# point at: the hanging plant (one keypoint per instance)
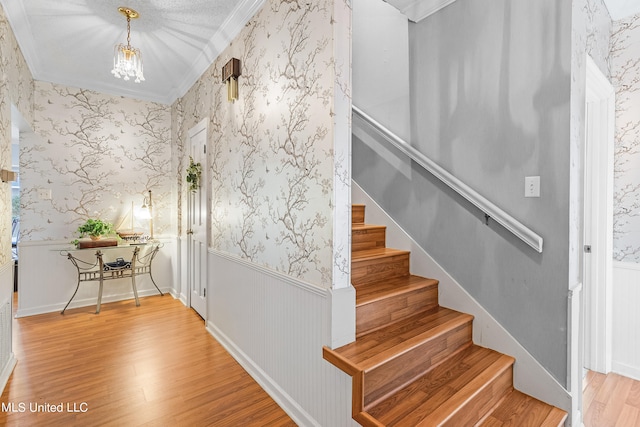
(194, 171)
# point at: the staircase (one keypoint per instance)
(413, 362)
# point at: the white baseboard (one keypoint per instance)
(6, 372)
(86, 302)
(529, 376)
(626, 370)
(291, 407)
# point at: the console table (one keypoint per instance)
(100, 271)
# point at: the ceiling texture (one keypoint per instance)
(71, 42)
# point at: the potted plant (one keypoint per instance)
(95, 228)
(194, 171)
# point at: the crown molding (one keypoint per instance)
(231, 27)
(238, 19)
(417, 10)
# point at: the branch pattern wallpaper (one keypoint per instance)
(97, 154)
(16, 87)
(271, 153)
(625, 77)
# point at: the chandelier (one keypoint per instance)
(127, 60)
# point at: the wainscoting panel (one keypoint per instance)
(46, 279)
(275, 326)
(626, 319)
(7, 359)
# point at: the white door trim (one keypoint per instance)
(600, 98)
(204, 189)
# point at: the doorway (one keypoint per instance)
(598, 220)
(20, 132)
(197, 229)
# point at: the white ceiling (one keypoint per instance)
(417, 10)
(619, 9)
(71, 41)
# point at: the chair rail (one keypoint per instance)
(490, 209)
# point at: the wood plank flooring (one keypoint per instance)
(153, 365)
(610, 401)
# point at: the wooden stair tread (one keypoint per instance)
(413, 362)
(440, 393)
(372, 349)
(362, 226)
(518, 408)
(380, 290)
(370, 254)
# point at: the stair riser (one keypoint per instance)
(368, 239)
(357, 214)
(386, 378)
(483, 401)
(365, 271)
(375, 315)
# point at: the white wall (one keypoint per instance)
(276, 326)
(47, 279)
(381, 64)
(626, 319)
(7, 359)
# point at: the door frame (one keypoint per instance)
(597, 299)
(201, 126)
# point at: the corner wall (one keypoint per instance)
(16, 89)
(490, 87)
(96, 155)
(279, 173)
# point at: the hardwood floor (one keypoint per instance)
(153, 365)
(610, 401)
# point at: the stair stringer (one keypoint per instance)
(529, 376)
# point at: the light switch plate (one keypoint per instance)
(531, 186)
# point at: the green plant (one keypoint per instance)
(194, 171)
(15, 206)
(95, 228)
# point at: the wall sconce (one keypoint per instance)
(148, 203)
(230, 74)
(8, 176)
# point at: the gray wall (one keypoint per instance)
(490, 91)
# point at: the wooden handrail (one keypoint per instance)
(490, 210)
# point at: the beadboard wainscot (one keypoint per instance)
(626, 319)
(7, 358)
(275, 327)
(47, 279)
(528, 375)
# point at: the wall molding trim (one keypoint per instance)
(275, 328)
(309, 287)
(625, 358)
(282, 398)
(417, 10)
(6, 372)
(88, 302)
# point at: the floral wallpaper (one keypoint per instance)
(16, 88)
(96, 154)
(625, 76)
(275, 152)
